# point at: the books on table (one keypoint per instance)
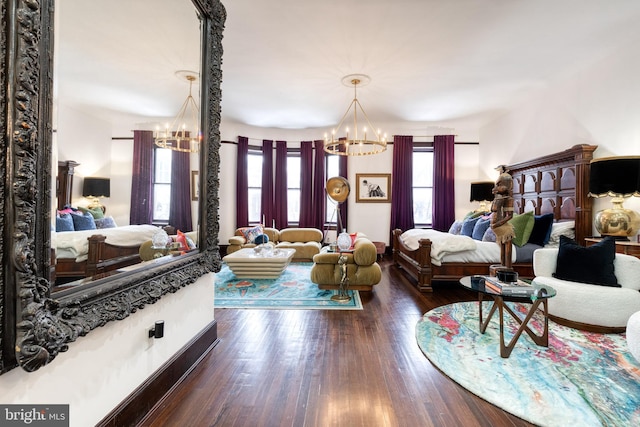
(517, 288)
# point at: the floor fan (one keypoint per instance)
(338, 190)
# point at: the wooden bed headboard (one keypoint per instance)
(556, 183)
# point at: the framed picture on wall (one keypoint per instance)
(373, 188)
(195, 186)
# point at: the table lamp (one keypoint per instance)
(95, 188)
(482, 192)
(617, 177)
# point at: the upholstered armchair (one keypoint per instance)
(589, 306)
(363, 271)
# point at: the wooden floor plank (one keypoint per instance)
(328, 368)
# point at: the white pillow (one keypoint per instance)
(562, 228)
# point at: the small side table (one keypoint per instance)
(499, 304)
(622, 246)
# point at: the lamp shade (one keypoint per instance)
(615, 177)
(481, 191)
(96, 187)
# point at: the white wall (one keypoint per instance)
(600, 106)
(372, 219)
(104, 367)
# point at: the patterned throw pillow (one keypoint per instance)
(251, 233)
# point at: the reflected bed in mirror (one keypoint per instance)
(36, 324)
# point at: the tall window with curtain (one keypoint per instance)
(422, 185)
(267, 184)
(306, 184)
(180, 205)
(281, 193)
(319, 193)
(443, 182)
(242, 185)
(141, 185)
(402, 183)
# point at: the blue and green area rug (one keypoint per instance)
(292, 290)
(581, 379)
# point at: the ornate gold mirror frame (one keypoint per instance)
(35, 327)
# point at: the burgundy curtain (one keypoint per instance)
(141, 211)
(306, 184)
(280, 193)
(266, 200)
(319, 193)
(443, 182)
(344, 207)
(242, 183)
(180, 204)
(402, 183)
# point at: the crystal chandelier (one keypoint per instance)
(184, 133)
(355, 143)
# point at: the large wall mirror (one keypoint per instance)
(55, 116)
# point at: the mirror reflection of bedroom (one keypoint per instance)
(126, 136)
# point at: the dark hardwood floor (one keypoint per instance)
(328, 368)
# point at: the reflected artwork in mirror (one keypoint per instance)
(37, 323)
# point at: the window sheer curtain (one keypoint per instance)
(141, 184)
(180, 204)
(443, 182)
(306, 184)
(280, 193)
(242, 183)
(266, 201)
(402, 183)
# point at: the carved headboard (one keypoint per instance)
(557, 183)
(64, 182)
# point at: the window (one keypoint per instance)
(161, 184)
(332, 168)
(293, 187)
(254, 180)
(422, 186)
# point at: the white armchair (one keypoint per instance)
(586, 306)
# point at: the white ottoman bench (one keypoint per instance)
(633, 335)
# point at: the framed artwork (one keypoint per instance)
(373, 188)
(195, 186)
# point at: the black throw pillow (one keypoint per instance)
(541, 229)
(593, 265)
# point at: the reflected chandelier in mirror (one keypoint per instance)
(35, 327)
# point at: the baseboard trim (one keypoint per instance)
(144, 398)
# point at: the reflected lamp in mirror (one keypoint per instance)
(96, 188)
(482, 192)
(619, 178)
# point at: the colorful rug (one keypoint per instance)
(581, 379)
(292, 290)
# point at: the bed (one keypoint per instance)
(88, 253)
(556, 183)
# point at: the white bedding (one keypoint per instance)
(74, 244)
(447, 247)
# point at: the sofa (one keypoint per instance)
(588, 306)
(363, 271)
(306, 241)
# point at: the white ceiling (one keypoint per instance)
(431, 62)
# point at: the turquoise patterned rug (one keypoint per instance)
(292, 290)
(581, 379)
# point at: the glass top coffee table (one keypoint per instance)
(539, 298)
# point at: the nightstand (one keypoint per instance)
(622, 246)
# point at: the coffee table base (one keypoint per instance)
(498, 303)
